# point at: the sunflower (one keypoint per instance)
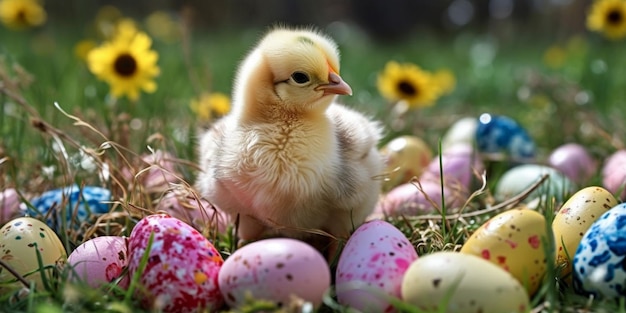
(210, 105)
(19, 14)
(126, 63)
(608, 17)
(409, 83)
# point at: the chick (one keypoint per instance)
(288, 160)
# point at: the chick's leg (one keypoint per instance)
(250, 228)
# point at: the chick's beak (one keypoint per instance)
(335, 86)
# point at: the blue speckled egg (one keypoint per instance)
(601, 255)
(79, 202)
(501, 134)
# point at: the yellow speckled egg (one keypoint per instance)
(405, 157)
(455, 282)
(513, 240)
(20, 240)
(574, 219)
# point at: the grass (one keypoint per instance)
(579, 101)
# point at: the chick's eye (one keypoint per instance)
(300, 77)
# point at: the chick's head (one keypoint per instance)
(304, 67)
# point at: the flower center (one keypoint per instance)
(125, 65)
(407, 88)
(614, 17)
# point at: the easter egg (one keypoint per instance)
(512, 240)
(182, 266)
(280, 270)
(458, 163)
(78, 204)
(405, 157)
(156, 172)
(599, 259)
(412, 199)
(573, 161)
(614, 174)
(22, 241)
(9, 205)
(198, 213)
(573, 220)
(372, 263)
(501, 134)
(99, 261)
(463, 131)
(515, 180)
(461, 283)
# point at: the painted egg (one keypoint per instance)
(182, 268)
(515, 180)
(198, 213)
(21, 241)
(462, 131)
(614, 174)
(280, 270)
(462, 283)
(501, 134)
(99, 261)
(405, 157)
(372, 263)
(459, 163)
(78, 203)
(156, 171)
(512, 240)
(409, 200)
(599, 259)
(573, 220)
(9, 205)
(573, 161)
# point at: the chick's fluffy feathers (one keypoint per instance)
(288, 158)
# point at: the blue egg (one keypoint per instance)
(500, 134)
(79, 203)
(600, 260)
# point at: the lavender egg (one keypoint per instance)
(459, 162)
(574, 161)
(415, 199)
(614, 174)
(501, 134)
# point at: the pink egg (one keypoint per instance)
(100, 261)
(156, 171)
(182, 269)
(372, 265)
(198, 213)
(280, 270)
(9, 205)
(459, 163)
(614, 173)
(573, 161)
(408, 199)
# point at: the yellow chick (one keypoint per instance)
(288, 159)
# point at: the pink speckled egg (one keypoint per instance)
(574, 161)
(99, 261)
(198, 213)
(9, 205)
(182, 269)
(278, 270)
(614, 174)
(371, 265)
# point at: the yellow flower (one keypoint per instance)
(210, 105)
(407, 82)
(126, 63)
(555, 56)
(20, 14)
(82, 48)
(608, 17)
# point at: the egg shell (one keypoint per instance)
(471, 283)
(198, 213)
(513, 240)
(372, 263)
(500, 134)
(276, 269)
(100, 261)
(614, 174)
(408, 199)
(78, 202)
(599, 259)
(405, 157)
(20, 240)
(463, 131)
(459, 163)
(574, 161)
(573, 220)
(156, 173)
(182, 269)
(9, 205)
(515, 180)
